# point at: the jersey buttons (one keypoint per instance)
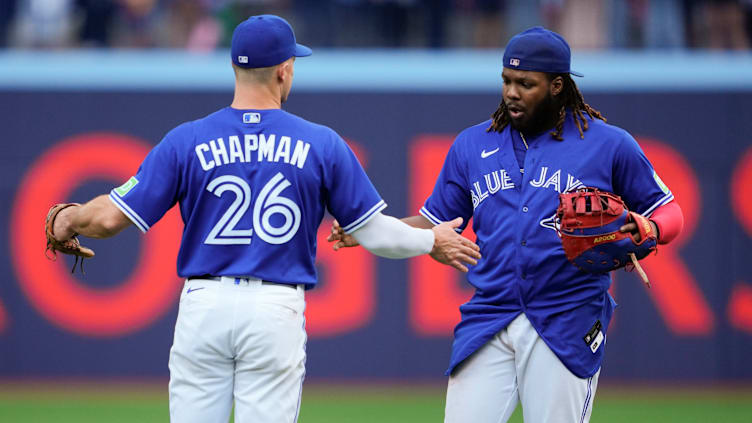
(524, 209)
(523, 243)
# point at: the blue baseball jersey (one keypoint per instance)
(253, 186)
(524, 268)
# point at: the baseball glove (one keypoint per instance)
(589, 228)
(69, 246)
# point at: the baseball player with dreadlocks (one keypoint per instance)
(252, 182)
(534, 332)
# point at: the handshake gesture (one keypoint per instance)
(449, 247)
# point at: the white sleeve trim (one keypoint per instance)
(427, 214)
(389, 237)
(357, 223)
(433, 219)
(664, 200)
(132, 215)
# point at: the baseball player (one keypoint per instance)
(534, 332)
(252, 182)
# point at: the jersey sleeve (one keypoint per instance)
(635, 180)
(450, 198)
(350, 196)
(148, 195)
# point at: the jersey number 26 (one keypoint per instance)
(268, 203)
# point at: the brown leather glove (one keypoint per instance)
(69, 246)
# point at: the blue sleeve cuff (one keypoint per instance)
(132, 215)
(362, 220)
(664, 200)
(433, 219)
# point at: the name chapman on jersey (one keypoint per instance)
(499, 180)
(267, 147)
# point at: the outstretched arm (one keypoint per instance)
(418, 221)
(342, 240)
(386, 236)
(98, 218)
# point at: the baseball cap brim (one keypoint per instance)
(302, 51)
(576, 73)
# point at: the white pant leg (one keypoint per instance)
(201, 365)
(548, 391)
(270, 361)
(483, 389)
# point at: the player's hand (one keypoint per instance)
(340, 238)
(632, 228)
(453, 249)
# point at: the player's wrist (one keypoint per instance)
(62, 228)
(434, 238)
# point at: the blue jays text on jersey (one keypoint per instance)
(252, 186)
(513, 206)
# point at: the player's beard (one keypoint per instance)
(543, 117)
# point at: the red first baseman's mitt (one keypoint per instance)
(589, 227)
(69, 246)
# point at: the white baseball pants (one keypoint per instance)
(515, 366)
(237, 340)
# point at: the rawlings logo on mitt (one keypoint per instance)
(589, 228)
(69, 246)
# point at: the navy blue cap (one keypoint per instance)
(538, 49)
(263, 41)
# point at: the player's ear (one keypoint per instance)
(556, 86)
(284, 70)
(280, 71)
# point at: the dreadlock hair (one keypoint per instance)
(570, 98)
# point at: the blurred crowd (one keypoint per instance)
(204, 25)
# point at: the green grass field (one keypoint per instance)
(82, 403)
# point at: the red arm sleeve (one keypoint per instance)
(669, 220)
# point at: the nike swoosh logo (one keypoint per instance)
(193, 289)
(484, 153)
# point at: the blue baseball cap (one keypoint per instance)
(264, 40)
(538, 49)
